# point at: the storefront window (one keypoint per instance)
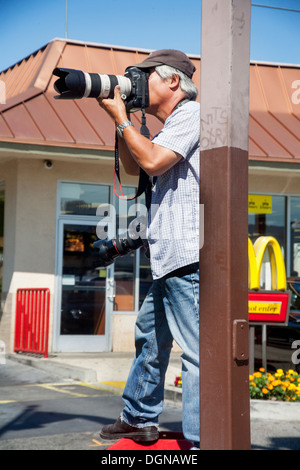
(295, 236)
(125, 267)
(146, 279)
(132, 272)
(125, 272)
(82, 199)
(271, 222)
(267, 217)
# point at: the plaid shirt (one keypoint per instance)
(173, 228)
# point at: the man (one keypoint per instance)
(171, 308)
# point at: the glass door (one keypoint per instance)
(85, 290)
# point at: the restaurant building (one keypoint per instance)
(56, 179)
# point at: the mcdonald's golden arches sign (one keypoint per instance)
(267, 306)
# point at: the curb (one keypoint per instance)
(274, 410)
(63, 370)
(259, 409)
(173, 394)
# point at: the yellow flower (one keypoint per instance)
(265, 391)
(257, 374)
(279, 373)
(270, 387)
(250, 378)
(262, 369)
(276, 383)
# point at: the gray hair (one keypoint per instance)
(186, 83)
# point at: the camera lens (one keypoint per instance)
(75, 84)
(134, 238)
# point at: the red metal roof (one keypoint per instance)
(31, 114)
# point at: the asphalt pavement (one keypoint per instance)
(41, 410)
(60, 403)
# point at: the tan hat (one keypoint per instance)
(176, 59)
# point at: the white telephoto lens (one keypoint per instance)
(125, 86)
(88, 85)
(105, 85)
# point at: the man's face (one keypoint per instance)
(157, 91)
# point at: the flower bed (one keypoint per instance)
(283, 386)
(178, 381)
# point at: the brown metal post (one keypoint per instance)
(224, 368)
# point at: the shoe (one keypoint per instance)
(196, 446)
(120, 429)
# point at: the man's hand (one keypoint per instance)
(115, 107)
(136, 150)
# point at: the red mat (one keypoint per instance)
(166, 441)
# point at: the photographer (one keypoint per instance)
(171, 308)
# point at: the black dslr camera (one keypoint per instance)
(134, 238)
(75, 84)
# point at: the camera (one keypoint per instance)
(75, 84)
(134, 238)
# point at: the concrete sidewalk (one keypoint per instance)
(111, 370)
(107, 368)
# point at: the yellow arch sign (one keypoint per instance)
(255, 256)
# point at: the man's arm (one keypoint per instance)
(152, 158)
(130, 165)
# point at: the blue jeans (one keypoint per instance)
(170, 311)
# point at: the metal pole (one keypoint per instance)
(264, 346)
(251, 348)
(224, 341)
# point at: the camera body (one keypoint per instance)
(139, 96)
(75, 84)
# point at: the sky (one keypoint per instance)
(27, 25)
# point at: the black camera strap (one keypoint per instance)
(143, 179)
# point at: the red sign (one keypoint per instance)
(268, 307)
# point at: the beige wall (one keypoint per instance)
(266, 179)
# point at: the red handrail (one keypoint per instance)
(32, 321)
